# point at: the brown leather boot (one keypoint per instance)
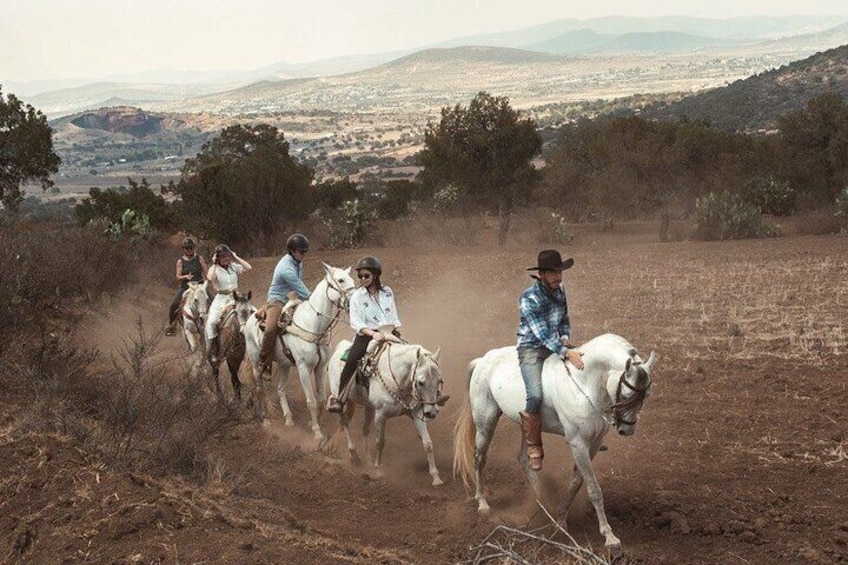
(531, 427)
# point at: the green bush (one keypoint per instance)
(348, 227)
(728, 216)
(131, 226)
(771, 196)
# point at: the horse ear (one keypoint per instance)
(437, 353)
(249, 294)
(328, 269)
(628, 364)
(649, 364)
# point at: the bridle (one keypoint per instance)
(395, 392)
(631, 403)
(340, 305)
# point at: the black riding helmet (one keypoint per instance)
(223, 250)
(297, 241)
(189, 242)
(372, 264)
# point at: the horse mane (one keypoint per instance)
(609, 349)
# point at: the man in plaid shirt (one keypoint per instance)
(544, 330)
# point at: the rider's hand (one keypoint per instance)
(378, 337)
(575, 356)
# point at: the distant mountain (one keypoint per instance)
(752, 28)
(94, 95)
(620, 57)
(757, 102)
(571, 42)
(660, 42)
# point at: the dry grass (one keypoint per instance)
(737, 301)
(505, 544)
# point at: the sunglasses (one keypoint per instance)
(364, 275)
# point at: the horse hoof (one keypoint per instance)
(483, 509)
(437, 482)
(614, 549)
(289, 423)
(266, 423)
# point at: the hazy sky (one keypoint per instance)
(54, 39)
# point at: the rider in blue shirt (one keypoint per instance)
(286, 284)
(544, 330)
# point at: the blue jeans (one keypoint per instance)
(530, 361)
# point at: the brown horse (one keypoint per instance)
(231, 339)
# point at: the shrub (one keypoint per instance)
(48, 266)
(150, 416)
(348, 226)
(132, 226)
(728, 216)
(771, 196)
(112, 203)
(556, 229)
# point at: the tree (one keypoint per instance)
(241, 185)
(485, 150)
(113, 202)
(815, 141)
(26, 149)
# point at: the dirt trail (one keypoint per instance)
(739, 455)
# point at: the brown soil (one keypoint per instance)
(739, 456)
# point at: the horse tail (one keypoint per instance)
(464, 438)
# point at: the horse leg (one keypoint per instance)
(284, 371)
(573, 489)
(304, 371)
(483, 437)
(583, 461)
(380, 426)
(344, 419)
(421, 428)
(321, 377)
(233, 366)
(367, 425)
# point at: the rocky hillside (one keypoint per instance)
(756, 103)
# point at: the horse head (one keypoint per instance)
(243, 307)
(634, 386)
(340, 285)
(427, 383)
(198, 301)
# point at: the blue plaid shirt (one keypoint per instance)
(544, 318)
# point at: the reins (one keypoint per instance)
(395, 392)
(621, 405)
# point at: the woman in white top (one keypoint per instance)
(224, 274)
(372, 306)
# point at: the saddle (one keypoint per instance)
(285, 319)
(368, 364)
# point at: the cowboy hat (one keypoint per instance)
(551, 260)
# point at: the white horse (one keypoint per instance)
(578, 404)
(307, 341)
(194, 308)
(406, 382)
